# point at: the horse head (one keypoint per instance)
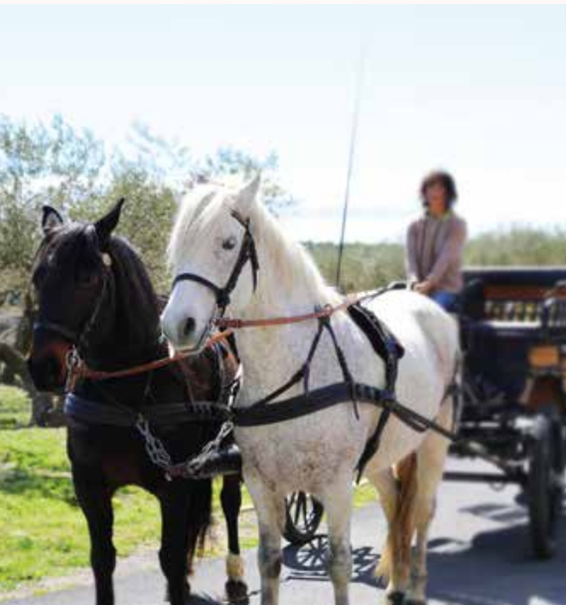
(214, 259)
(72, 280)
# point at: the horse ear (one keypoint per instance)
(248, 194)
(107, 224)
(50, 219)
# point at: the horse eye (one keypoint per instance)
(229, 243)
(87, 279)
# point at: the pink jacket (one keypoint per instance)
(434, 251)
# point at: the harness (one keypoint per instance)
(267, 411)
(95, 412)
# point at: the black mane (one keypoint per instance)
(137, 308)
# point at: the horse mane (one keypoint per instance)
(137, 305)
(293, 268)
(190, 213)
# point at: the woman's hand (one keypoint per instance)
(424, 287)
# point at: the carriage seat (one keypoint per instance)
(504, 313)
(498, 352)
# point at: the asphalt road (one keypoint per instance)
(479, 555)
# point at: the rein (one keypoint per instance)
(322, 313)
(78, 368)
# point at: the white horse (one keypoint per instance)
(317, 453)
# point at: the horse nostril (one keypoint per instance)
(189, 326)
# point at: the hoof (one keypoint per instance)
(186, 593)
(414, 601)
(236, 591)
(396, 598)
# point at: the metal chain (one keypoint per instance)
(154, 446)
(192, 465)
(161, 458)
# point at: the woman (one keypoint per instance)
(435, 242)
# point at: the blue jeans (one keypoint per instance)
(447, 300)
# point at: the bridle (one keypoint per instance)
(247, 253)
(79, 338)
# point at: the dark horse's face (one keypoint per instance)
(71, 279)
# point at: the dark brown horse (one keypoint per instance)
(94, 295)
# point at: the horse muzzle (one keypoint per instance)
(47, 366)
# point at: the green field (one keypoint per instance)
(14, 408)
(43, 533)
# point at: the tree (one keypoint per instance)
(39, 164)
(228, 162)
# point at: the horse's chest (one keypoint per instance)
(116, 454)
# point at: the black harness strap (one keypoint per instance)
(95, 412)
(390, 350)
(262, 413)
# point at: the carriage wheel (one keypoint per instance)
(544, 484)
(303, 515)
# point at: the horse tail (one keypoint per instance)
(407, 475)
(199, 518)
(398, 544)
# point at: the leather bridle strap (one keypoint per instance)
(78, 338)
(55, 328)
(326, 311)
(247, 253)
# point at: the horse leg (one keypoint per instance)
(173, 554)
(338, 507)
(231, 500)
(398, 505)
(271, 517)
(95, 500)
(431, 457)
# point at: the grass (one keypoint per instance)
(15, 408)
(43, 532)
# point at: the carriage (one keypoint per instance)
(511, 400)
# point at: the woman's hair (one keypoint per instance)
(440, 177)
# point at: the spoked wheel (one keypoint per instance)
(303, 515)
(545, 484)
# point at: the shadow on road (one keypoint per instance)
(308, 562)
(497, 567)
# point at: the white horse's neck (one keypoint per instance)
(289, 283)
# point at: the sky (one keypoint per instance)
(478, 90)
